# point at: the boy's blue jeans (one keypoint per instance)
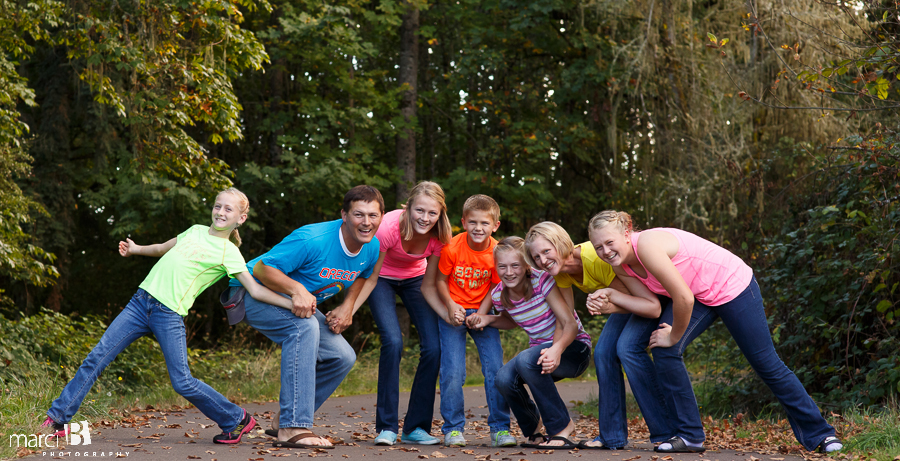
(623, 344)
(314, 360)
(745, 319)
(524, 369)
(421, 398)
(142, 316)
(453, 375)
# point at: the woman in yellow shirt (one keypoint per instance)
(633, 315)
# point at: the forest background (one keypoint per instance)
(767, 126)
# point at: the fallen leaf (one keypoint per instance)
(194, 457)
(438, 454)
(210, 452)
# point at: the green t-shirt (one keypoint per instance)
(597, 272)
(195, 262)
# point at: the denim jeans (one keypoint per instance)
(745, 319)
(453, 375)
(524, 369)
(312, 357)
(142, 316)
(383, 304)
(623, 343)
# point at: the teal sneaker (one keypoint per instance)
(454, 439)
(420, 437)
(386, 438)
(502, 439)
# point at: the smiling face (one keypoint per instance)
(545, 256)
(611, 244)
(227, 213)
(360, 223)
(424, 214)
(511, 268)
(479, 226)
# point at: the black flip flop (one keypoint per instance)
(678, 446)
(534, 441)
(567, 444)
(272, 432)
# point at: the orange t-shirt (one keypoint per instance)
(470, 273)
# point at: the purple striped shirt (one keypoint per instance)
(534, 315)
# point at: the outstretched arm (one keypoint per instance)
(625, 295)
(304, 303)
(430, 290)
(566, 331)
(656, 250)
(261, 293)
(341, 317)
(128, 248)
(370, 283)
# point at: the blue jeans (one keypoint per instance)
(312, 357)
(524, 369)
(453, 375)
(623, 343)
(142, 316)
(745, 319)
(383, 304)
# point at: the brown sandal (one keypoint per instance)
(304, 434)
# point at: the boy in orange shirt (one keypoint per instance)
(465, 278)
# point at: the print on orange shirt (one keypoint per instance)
(470, 277)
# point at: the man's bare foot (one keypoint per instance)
(565, 433)
(286, 433)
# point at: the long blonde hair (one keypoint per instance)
(244, 204)
(515, 245)
(441, 229)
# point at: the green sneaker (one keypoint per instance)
(454, 439)
(502, 439)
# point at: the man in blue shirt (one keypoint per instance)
(310, 265)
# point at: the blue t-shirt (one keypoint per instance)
(313, 255)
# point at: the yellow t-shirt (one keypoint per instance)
(597, 272)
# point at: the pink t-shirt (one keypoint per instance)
(398, 264)
(714, 274)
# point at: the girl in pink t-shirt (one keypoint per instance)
(411, 241)
(703, 281)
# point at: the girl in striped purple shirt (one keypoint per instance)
(558, 347)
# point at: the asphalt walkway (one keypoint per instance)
(187, 435)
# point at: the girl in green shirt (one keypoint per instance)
(189, 263)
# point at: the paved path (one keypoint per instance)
(187, 434)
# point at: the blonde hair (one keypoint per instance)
(555, 234)
(244, 208)
(514, 245)
(432, 190)
(481, 202)
(620, 219)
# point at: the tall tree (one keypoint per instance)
(409, 69)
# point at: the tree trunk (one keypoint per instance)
(406, 141)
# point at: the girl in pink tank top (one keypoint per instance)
(704, 282)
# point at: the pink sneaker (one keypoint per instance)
(60, 430)
(247, 424)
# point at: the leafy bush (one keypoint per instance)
(830, 279)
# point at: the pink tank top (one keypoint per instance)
(714, 274)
